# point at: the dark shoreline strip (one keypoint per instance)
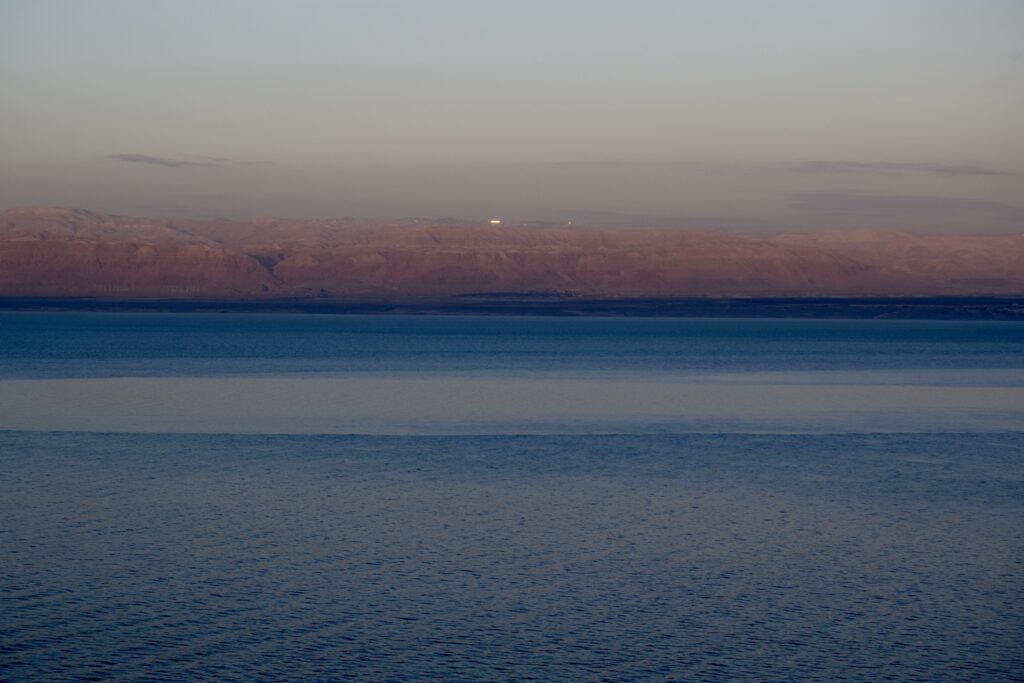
(921, 308)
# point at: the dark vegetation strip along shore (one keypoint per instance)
(921, 308)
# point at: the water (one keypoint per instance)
(139, 345)
(302, 497)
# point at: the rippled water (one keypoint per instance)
(520, 539)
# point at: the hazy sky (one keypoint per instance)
(739, 114)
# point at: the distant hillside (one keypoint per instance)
(48, 251)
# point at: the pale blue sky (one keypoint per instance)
(699, 113)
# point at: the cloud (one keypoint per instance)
(174, 163)
(628, 164)
(866, 204)
(893, 168)
(887, 168)
(598, 162)
(159, 161)
(222, 161)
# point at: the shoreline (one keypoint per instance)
(901, 308)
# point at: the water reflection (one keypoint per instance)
(965, 401)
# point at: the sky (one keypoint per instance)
(741, 115)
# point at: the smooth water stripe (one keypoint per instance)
(473, 405)
(476, 375)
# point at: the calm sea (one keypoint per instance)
(478, 498)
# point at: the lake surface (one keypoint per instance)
(414, 498)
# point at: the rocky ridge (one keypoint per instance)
(46, 251)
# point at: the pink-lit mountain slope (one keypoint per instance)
(71, 252)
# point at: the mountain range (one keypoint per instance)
(48, 251)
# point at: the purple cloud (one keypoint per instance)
(893, 168)
(174, 163)
(875, 205)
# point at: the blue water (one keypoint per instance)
(167, 344)
(391, 498)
